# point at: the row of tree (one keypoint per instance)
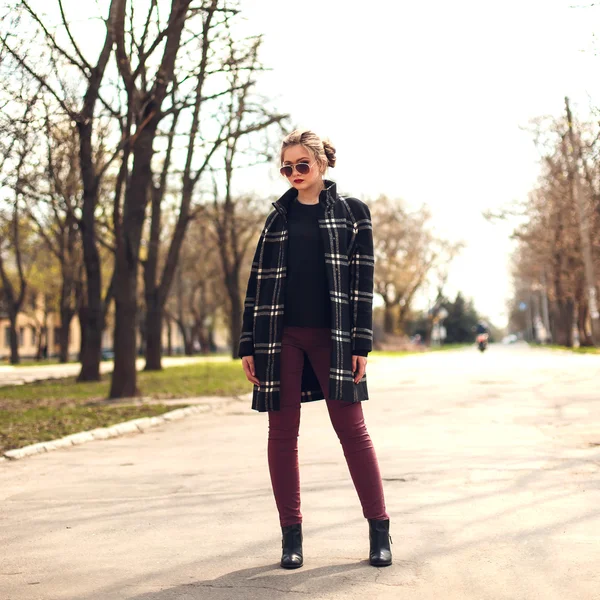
(556, 266)
(460, 320)
(408, 254)
(109, 156)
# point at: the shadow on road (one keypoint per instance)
(266, 581)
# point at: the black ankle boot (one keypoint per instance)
(291, 557)
(380, 553)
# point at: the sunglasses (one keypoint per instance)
(303, 168)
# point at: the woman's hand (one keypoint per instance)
(359, 367)
(248, 364)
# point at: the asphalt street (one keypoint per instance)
(491, 467)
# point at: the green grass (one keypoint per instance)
(45, 423)
(424, 351)
(39, 363)
(50, 409)
(580, 350)
(199, 379)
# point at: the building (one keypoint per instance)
(37, 329)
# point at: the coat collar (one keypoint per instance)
(327, 197)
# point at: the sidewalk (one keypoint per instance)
(17, 375)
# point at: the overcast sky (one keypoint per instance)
(426, 101)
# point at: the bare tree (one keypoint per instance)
(53, 206)
(157, 291)
(577, 198)
(14, 237)
(243, 119)
(146, 94)
(197, 299)
(550, 260)
(235, 222)
(84, 113)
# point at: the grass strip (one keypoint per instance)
(21, 428)
(578, 350)
(46, 410)
(443, 348)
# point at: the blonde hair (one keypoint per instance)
(322, 150)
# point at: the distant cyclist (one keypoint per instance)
(482, 335)
(481, 328)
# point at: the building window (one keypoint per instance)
(33, 336)
(21, 336)
(7, 337)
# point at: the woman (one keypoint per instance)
(307, 331)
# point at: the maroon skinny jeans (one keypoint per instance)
(346, 418)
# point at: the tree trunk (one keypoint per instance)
(43, 334)
(585, 339)
(212, 346)
(388, 319)
(235, 327)
(124, 377)
(82, 313)
(15, 359)
(91, 345)
(66, 316)
(564, 323)
(169, 337)
(154, 322)
(203, 338)
(187, 346)
(93, 322)
(141, 335)
(152, 291)
(38, 353)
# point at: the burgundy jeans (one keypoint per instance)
(346, 417)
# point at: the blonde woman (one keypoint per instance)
(307, 332)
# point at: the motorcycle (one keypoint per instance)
(482, 341)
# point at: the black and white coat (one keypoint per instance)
(345, 225)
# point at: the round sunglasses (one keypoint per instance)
(303, 168)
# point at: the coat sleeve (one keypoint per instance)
(362, 267)
(246, 345)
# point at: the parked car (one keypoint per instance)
(107, 354)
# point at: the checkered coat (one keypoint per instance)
(345, 225)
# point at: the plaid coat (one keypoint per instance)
(345, 225)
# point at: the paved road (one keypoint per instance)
(10, 375)
(492, 475)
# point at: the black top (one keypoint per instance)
(307, 302)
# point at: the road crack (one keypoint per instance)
(250, 587)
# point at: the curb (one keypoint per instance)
(103, 433)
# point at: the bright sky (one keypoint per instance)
(426, 101)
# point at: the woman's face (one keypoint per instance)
(299, 154)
